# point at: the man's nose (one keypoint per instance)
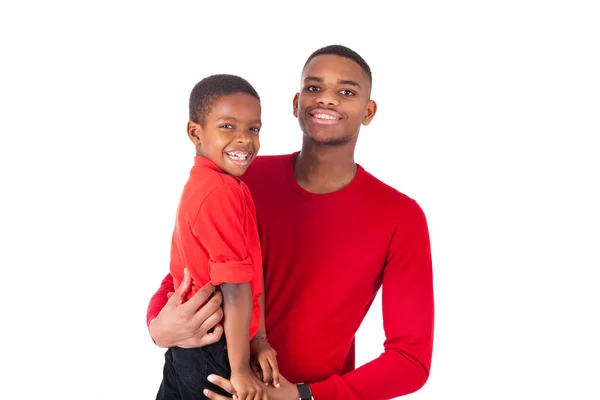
(328, 97)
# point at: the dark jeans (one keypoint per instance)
(185, 371)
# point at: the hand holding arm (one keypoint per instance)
(186, 324)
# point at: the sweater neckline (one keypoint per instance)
(352, 187)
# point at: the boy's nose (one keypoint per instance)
(243, 137)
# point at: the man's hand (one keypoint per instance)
(286, 390)
(186, 324)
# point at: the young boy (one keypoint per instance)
(216, 239)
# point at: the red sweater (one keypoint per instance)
(325, 256)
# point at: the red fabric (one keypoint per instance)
(216, 235)
(325, 258)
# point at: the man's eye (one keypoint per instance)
(347, 92)
(226, 126)
(313, 88)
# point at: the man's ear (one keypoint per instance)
(370, 112)
(194, 132)
(296, 105)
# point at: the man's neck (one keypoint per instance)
(325, 168)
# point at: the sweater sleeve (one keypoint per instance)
(408, 316)
(159, 299)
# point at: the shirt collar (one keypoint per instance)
(204, 162)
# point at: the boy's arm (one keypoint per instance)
(237, 305)
(408, 315)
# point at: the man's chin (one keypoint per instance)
(329, 140)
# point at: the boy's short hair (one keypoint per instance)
(343, 51)
(208, 90)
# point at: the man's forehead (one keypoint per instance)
(331, 66)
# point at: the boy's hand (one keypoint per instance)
(247, 386)
(264, 361)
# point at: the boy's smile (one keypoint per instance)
(239, 157)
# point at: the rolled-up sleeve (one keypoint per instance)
(220, 228)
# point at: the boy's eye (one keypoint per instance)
(255, 129)
(347, 92)
(226, 126)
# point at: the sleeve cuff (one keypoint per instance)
(326, 389)
(231, 271)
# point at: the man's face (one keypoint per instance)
(229, 136)
(334, 100)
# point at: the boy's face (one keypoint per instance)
(334, 100)
(229, 137)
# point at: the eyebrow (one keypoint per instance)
(256, 121)
(340, 81)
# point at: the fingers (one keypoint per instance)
(221, 382)
(256, 369)
(210, 313)
(200, 297)
(213, 395)
(267, 372)
(212, 337)
(275, 368)
(182, 290)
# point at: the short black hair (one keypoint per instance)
(210, 89)
(343, 51)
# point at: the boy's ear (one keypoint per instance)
(370, 112)
(194, 131)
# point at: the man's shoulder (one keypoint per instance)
(270, 161)
(380, 188)
(388, 198)
(267, 166)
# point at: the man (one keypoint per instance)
(331, 236)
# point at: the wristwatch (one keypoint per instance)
(305, 392)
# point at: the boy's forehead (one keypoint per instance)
(237, 105)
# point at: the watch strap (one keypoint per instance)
(305, 392)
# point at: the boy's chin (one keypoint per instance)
(236, 170)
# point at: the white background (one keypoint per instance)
(488, 117)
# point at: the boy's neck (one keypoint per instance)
(324, 168)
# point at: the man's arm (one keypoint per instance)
(408, 316)
(159, 299)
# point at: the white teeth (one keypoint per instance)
(237, 155)
(323, 116)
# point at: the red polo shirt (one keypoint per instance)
(216, 235)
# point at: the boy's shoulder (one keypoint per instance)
(204, 182)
